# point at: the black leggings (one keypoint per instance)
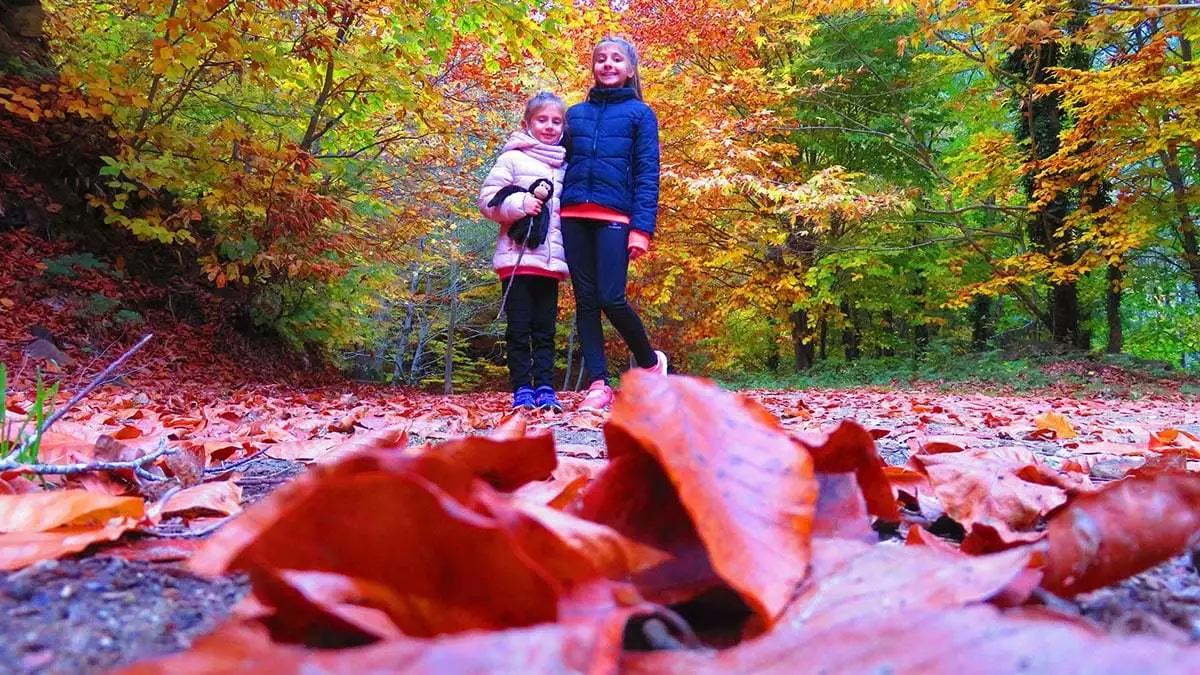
(531, 310)
(598, 255)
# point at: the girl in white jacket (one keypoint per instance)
(531, 307)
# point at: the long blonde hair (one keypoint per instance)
(635, 80)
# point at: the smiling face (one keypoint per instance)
(611, 65)
(545, 123)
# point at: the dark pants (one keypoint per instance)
(598, 256)
(531, 309)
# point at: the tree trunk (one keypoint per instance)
(890, 330)
(824, 330)
(982, 325)
(1040, 123)
(1187, 223)
(406, 327)
(802, 344)
(452, 292)
(851, 340)
(22, 43)
(1112, 306)
(415, 369)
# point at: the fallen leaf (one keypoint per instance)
(978, 640)
(1056, 423)
(851, 448)
(20, 549)
(1125, 527)
(591, 646)
(841, 509)
(987, 493)
(568, 479)
(41, 511)
(747, 487)
(221, 497)
(506, 463)
(850, 579)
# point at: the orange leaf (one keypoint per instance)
(1052, 421)
(746, 486)
(564, 485)
(854, 580)
(41, 511)
(506, 463)
(851, 448)
(19, 549)
(222, 497)
(1127, 526)
(980, 490)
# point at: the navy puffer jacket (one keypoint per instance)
(612, 155)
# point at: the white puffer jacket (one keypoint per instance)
(525, 160)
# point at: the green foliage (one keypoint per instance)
(64, 266)
(42, 409)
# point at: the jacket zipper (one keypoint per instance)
(595, 141)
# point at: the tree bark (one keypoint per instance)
(802, 342)
(1041, 122)
(982, 325)
(452, 292)
(851, 339)
(1112, 306)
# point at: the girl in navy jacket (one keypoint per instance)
(609, 205)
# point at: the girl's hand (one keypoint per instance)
(639, 244)
(532, 205)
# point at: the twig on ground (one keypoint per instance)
(240, 463)
(135, 464)
(658, 636)
(79, 396)
(277, 477)
(1056, 603)
(189, 534)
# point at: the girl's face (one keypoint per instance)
(610, 65)
(545, 124)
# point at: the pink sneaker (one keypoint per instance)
(659, 368)
(598, 398)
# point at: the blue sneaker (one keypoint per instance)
(523, 399)
(546, 400)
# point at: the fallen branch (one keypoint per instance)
(79, 396)
(136, 465)
(190, 534)
(238, 464)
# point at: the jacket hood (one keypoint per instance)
(552, 155)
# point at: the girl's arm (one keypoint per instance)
(645, 174)
(508, 211)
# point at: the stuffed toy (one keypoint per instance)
(530, 231)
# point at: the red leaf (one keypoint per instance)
(591, 646)
(841, 510)
(746, 486)
(979, 489)
(1126, 527)
(850, 448)
(975, 640)
(506, 463)
(853, 580)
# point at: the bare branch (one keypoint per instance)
(90, 467)
(58, 414)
